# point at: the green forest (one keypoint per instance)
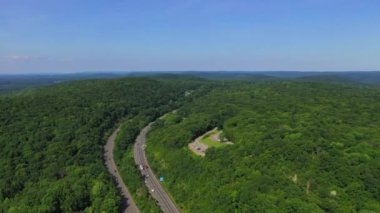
(52, 139)
(298, 147)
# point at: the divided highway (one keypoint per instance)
(157, 191)
(128, 205)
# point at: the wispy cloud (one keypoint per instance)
(19, 58)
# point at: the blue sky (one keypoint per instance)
(176, 35)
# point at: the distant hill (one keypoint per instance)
(243, 76)
(363, 77)
(331, 77)
(327, 79)
(9, 83)
(14, 82)
(359, 77)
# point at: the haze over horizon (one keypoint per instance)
(296, 35)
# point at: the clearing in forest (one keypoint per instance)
(211, 138)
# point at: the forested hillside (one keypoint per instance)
(298, 147)
(52, 140)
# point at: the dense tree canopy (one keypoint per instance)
(298, 147)
(52, 140)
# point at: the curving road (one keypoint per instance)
(164, 201)
(128, 205)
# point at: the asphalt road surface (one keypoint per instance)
(166, 204)
(128, 205)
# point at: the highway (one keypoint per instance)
(128, 205)
(166, 204)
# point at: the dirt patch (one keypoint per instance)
(198, 148)
(216, 136)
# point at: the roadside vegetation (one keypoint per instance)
(124, 150)
(126, 164)
(298, 147)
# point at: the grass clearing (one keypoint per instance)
(212, 139)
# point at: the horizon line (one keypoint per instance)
(175, 71)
